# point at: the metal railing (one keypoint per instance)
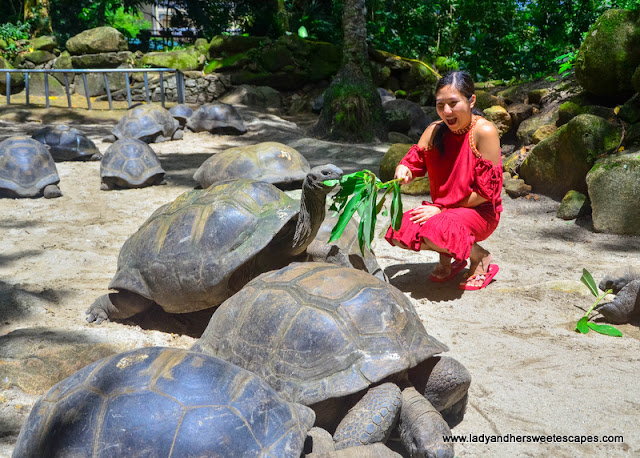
(105, 72)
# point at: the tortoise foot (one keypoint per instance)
(51, 191)
(625, 306)
(101, 310)
(454, 414)
(442, 380)
(371, 419)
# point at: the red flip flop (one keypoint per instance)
(456, 267)
(486, 277)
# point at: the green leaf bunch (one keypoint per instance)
(584, 325)
(359, 193)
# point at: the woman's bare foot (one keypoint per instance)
(443, 268)
(479, 264)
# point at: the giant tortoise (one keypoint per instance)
(194, 253)
(67, 143)
(163, 402)
(625, 284)
(317, 333)
(217, 118)
(130, 163)
(149, 123)
(27, 169)
(272, 162)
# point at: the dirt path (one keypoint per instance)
(532, 374)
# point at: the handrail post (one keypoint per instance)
(86, 91)
(146, 87)
(46, 89)
(8, 80)
(67, 90)
(126, 77)
(162, 89)
(108, 89)
(180, 86)
(26, 87)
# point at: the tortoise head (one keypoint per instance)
(318, 175)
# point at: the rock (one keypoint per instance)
(388, 165)
(536, 95)
(560, 163)
(543, 132)
(36, 86)
(516, 187)
(614, 191)
(635, 79)
(511, 95)
(405, 117)
(45, 43)
(514, 160)
(633, 135)
(63, 61)
(188, 59)
(397, 137)
(499, 117)
(610, 54)
(574, 204)
(630, 111)
(102, 60)
(256, 96)
(98, 40)
(202, 46)
(519, 112)
(222, 45)
(39, 57)
(17, 79)
(572, 108)
(485, 100)
(529, 126)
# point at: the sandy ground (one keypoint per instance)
(532, 374)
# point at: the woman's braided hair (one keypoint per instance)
(463, 82)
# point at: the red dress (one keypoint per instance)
(452, 177)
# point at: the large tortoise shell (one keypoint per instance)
(184, 255)
(146, 122)
(315, 331)
(272, 162)
(66, 143)
(26, 167)
(130, 162)
(217, 117)
(163, 402)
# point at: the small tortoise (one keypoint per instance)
(130, 163)
(625, 284)
(67, 143)
(217, 118)
(346, 250)
(181, 113)
(149, 123)
(163, 402)
(195, 252)
(27, 169)
(317, 333)
(272, 162)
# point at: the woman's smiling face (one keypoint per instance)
(454, 108)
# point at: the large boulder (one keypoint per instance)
(39, 57)
(102, 60)
(17, 79)
(187, 59)
(614, 191)
(610, 54)
(255, 96)
(98, 40)
(405, 117)
(45, 43)
(499, 117)
(560, 163)
(388, 164)
(529, 126)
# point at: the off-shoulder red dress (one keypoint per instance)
(452, 177)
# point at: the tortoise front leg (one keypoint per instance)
(371, 419)
(118, 305)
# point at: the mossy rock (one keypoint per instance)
(543, 132)
(635, 79)
(224, 45)
(614, 191)
(486, 100)
(528, 127)
(630, 111)
(226, 64)
(516, 187)
(390, 161)
(3, 44)
(102, 60)
(560, 163)
(536, 95)
(17, 79)
(572, 108)
(513, 94)
(512, 163)
(98, 40)
(499, 117)
(184, 60)
(276, 58)
(633, 135)
(45, 43)
(610, 53)
(202, 46)
(324, 60)
(39, 57)
(574, 204)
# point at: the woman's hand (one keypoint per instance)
(403, 172)
(423, 212)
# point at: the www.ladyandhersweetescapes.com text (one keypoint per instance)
(533, 438)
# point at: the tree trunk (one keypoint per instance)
(352, 109)
(38, 10)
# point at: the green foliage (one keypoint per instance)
(12, 35)
(584, 325)
(130, 24)
(358, 193)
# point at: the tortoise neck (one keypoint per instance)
(311, 216)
